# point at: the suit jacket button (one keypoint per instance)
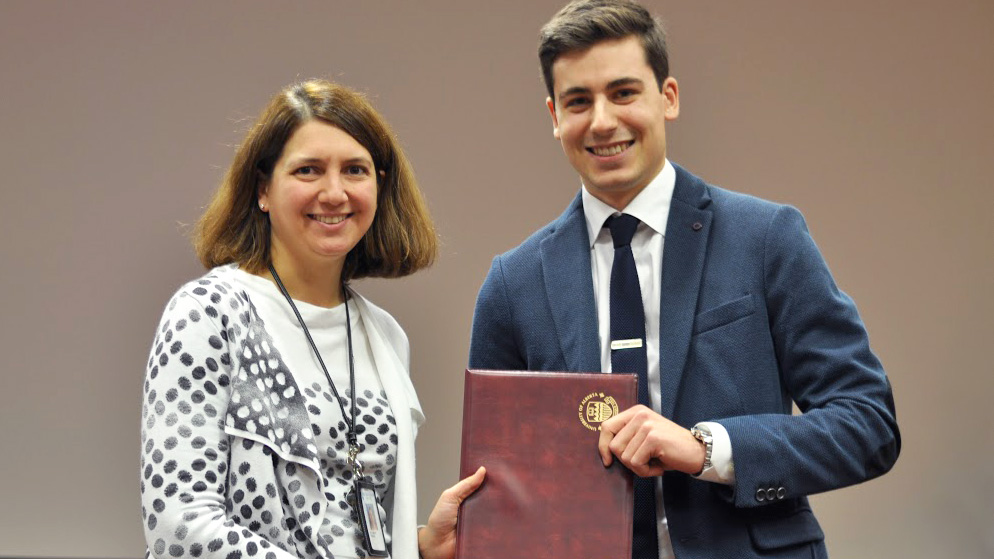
(771, 494)
(697, 226)
(760, 494)
(781, 493)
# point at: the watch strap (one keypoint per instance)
(703, 434)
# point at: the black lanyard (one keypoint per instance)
(354, 462)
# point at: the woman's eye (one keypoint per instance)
(358, 170)
(306, 171)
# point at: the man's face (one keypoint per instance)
(609, 115)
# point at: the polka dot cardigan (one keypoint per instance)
(229, 465)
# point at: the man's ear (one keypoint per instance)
(555, 119)
(671, 92)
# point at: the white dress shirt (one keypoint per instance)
(651, 207)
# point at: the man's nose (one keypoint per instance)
(603, 119)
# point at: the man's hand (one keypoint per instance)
(649, 444)
(437, 540)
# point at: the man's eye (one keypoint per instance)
(622, 93)
(575, 102)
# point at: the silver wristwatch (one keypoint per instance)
(703, 434)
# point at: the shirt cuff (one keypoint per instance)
(722, 468)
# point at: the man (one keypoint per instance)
(736, 315)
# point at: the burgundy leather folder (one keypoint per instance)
(546, 494)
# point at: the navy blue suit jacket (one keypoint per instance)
(750, 321)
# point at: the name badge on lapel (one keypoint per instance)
(626, 344)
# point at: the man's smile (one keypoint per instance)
(610, 149)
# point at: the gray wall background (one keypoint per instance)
(117, 120)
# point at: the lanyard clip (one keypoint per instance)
(354, 462)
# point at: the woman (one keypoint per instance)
(279, 418)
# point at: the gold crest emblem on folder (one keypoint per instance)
(596, 408)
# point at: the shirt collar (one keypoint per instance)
(651, 206)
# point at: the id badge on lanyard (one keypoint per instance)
(369, 517)
(367, 509)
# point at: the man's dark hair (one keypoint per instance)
(584, 23)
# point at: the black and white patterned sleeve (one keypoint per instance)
(185, 451)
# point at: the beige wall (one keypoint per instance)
(117, 120)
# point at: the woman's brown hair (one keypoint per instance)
(402, 238)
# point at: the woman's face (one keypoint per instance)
(321, 198)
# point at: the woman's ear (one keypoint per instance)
(263, 193)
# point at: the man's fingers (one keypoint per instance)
(652, 469)
(604, 446)
(624, 436)
(630, 452)
(616, 433)
(640, 455)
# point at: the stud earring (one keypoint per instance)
(262, 206)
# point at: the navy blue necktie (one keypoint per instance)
(628, 356)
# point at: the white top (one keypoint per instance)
(376, 426)
(651, 207)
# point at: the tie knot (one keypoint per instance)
(622, 229)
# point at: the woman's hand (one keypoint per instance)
(437, 540)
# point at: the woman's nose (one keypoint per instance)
(332, 190)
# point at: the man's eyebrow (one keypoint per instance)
(613, 84)
(623, 82)
(575, 90)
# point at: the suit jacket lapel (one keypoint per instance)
(684, 254)
(570, 291)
